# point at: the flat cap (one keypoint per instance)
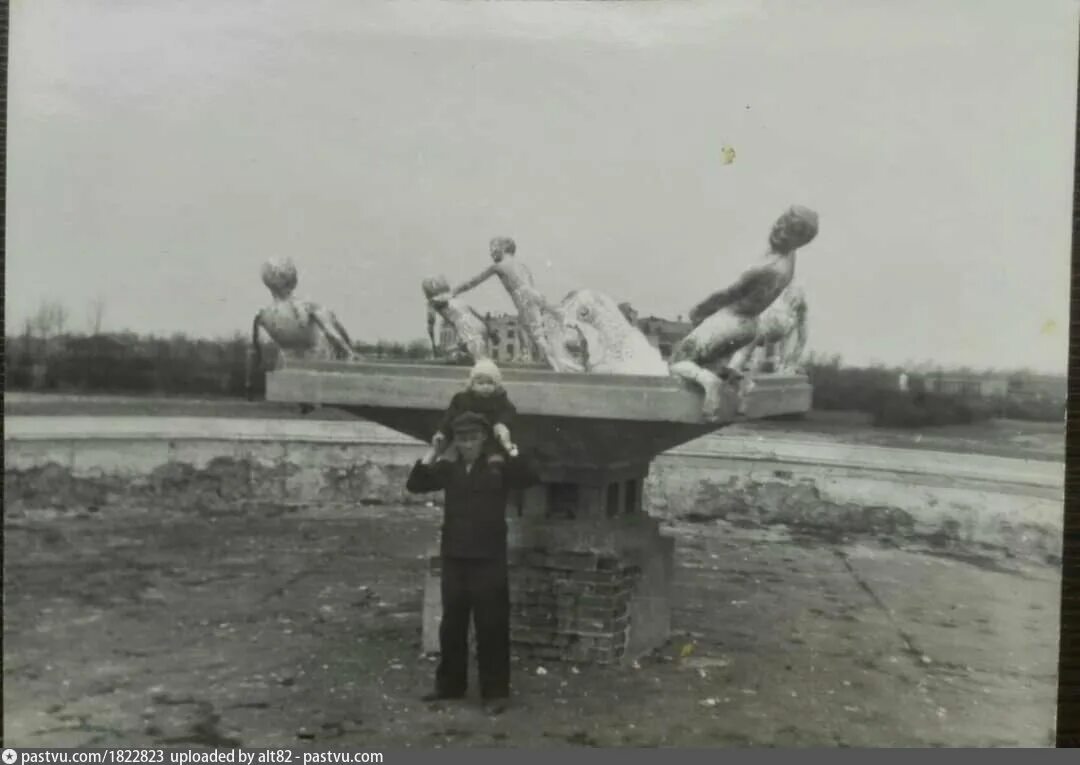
(469, 421)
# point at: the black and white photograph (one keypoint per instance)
(535, 375)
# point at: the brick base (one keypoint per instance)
(592, 606)
(571, 606)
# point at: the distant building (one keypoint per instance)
(975, 385)
(664, 334)
(510, 343)
(1039, 387)
(995, 385)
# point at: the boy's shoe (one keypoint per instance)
(495, 707)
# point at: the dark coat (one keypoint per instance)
(474, 513)
(496, 409)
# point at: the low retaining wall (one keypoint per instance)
(1024, 519)
(83, 464)
(72, 465)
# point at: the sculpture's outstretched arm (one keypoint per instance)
(341, 328)
(481, 347)
(478, 315)
(488, 331)
(476, 281)
(746, 282)
(328, 323)
(254, 358)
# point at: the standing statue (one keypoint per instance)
(473, 333)
(540, 320)
(781, 339)
(605, 341)
(300, 328)
(727, 321)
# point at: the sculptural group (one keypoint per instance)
(758, 323)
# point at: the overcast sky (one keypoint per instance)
(160, 150)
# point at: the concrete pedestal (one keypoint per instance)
(590, 572)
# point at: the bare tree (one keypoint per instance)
(60, 318)
(39, 325)
(49, 320)
(95, 313)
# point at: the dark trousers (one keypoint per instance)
(476, 588)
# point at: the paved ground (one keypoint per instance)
(144, 628)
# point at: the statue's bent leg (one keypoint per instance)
(740, 363)
(709, 382)
(742, 381)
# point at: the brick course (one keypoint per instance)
(570, 606)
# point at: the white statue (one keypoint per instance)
(300, 328)
(781, 338)
(472, 331)
(540, 320)
(727, 321)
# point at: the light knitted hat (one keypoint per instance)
(486, 368)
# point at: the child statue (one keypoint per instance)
(301, 329)
(782, 336)
(469, 326)
(727, 321)
(542, 322)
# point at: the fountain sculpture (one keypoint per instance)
(590, 570)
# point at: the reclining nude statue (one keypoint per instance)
(472, 331)
(300, 328)
(781, 338)
(729, 320)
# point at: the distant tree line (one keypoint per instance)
(49, 357)
(875, 390)
(126, 362)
